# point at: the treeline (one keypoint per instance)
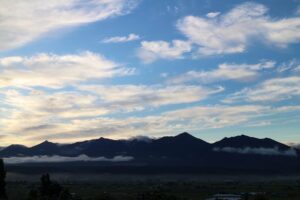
(52, 190)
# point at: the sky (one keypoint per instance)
(74, 70)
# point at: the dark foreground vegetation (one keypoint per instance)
(150, 190)
(132, 188)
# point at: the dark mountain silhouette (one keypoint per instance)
(234, 153)
(45, 148)
(14, 150)
(243, 141)
(182, 145)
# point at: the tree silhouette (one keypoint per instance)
(65, 195)
(104, 196)
(260, 197)
(45, 184)
(2, 180)
(156, 194)
(33, 194)
(49, 188)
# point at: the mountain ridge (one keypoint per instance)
(184, 134)
(180, 151)
(184, 142)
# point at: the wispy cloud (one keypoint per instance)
(193, 118)
(225, 33)
(22, 22)
(153, 50)
(121, 39)
(50, 70)
(49, 112)
(291, 65)
(189, 119)
(261, 151)
(55, 159)
(212, 14)
(137, 97)
(225, 71)
(275, 89)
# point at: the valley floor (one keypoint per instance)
(185, 187)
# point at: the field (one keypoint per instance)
(185, 187)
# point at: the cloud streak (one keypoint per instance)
(23, 21)
(54, 71)
(56, 159)
(121, 39)
(139, 97)
(260, 151)
(275, 89)
(153, 50)
(225, 71)
(33, 111)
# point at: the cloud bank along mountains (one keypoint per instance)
(240, 152)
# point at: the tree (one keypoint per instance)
(65, 195)
(2, 180)
(104, 196)
(49, 188)
(157, 194)
(260, 197)
(33, 194)
(45, 184)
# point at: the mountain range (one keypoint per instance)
(239, 152)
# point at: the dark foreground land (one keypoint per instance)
(107, 186)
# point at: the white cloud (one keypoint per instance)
(225, 71)
(29, 111)
(189, 119)
(227, 33)
(56, 158)
(153, 50)
(212, 14)
(261, 151)
(137, 97)
(50, 70)
(232, 31)
(29, 128)
(216, 116)
(297, 69)
(290, 65)
(34, 112)
(141, 138)
(276, 89)
(119, 39)
(23, 21)
(9, 61)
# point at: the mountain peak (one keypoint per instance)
(45, 144)
(185, 135)
(243, 141)
(241, 136)
(238, 137)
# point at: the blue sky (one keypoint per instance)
(72, 70)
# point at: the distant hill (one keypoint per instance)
(239, 152)
(243, 141)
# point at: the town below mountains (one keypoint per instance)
(181, 153)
